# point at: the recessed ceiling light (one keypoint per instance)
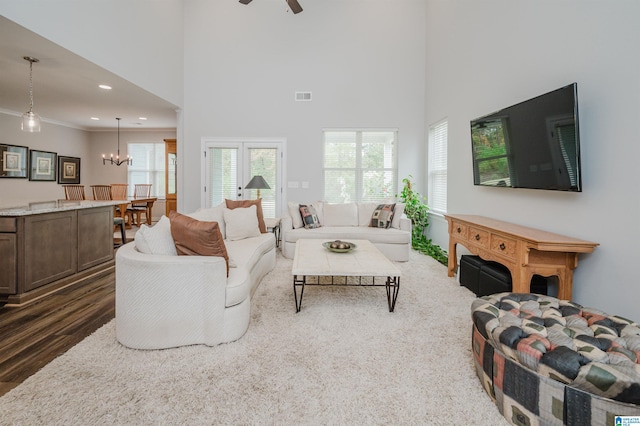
(95, 118)
(142, 118)
(104, 86)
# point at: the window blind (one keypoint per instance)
(359, 165)
(148, 167)
(223, 180)
(437, 195)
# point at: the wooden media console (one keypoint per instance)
(525, 251)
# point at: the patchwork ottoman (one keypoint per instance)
(546, 361)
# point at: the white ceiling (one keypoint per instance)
(65, 87)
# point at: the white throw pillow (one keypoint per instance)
(365, 210)
(344, 214)
(318, 205)
(294, 212)
(212, 214)
(156, 239)
(241, 223)
(399, 211)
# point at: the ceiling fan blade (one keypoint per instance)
(294, 6)
(245, 1)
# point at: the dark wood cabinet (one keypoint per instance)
(42, 252)
(8, 263)
(49, 244)
(99, 247)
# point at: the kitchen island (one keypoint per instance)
(48, 245)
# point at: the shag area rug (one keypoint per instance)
(344, 359)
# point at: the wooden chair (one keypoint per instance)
(74, 192)
(141, 190)
(101, 192)
(119, 192)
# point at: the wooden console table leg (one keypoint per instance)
(565, 284)
(453, 258)
(521, 280)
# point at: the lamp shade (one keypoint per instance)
(30, 122)
(257, 182)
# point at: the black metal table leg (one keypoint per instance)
(298, 283)
(392, 295)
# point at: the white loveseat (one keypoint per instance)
(348, 221)
(166, 300)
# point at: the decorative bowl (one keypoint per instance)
(339, 246)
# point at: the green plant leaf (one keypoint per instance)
(417, 210)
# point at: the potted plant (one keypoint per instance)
(417, 210)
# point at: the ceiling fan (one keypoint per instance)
(293, 5)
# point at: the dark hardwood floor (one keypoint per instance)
(33, 335)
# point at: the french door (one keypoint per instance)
(230, 165)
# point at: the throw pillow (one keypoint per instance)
(294, 212)
(309, 217)
(196, 238)
(365, 210)
(241, 223)
(341, 214)
(397, 214)
(319, 206)
(212, 214)
(382, 216)
(156, 239)
(233, 204)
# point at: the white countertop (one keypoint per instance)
(24, 208)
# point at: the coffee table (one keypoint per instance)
(311, 259)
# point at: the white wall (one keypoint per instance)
(362, 60)
(482, 56)
(139, 40)
(53, 138)
(88, 146)
(107, 143)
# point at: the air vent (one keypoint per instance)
(303, 96)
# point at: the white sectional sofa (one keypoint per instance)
(348, 221)
(164, 300)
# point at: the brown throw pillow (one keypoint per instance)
(197, 238)
(232, 204)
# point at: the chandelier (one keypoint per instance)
(117, 161)
(30, 120)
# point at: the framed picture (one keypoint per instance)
(68, 170)
(43, 165)
(13, 161)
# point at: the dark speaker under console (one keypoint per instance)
(485, 277)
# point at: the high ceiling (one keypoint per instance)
(65, 87)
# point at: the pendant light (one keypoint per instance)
(117, 161)
(30, 120)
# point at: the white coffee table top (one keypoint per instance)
(311, 258)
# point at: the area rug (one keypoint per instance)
(343, 359)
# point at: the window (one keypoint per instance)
(360, 165)
(148, 167)
(437, 195)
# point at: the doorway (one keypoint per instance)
(230, 165)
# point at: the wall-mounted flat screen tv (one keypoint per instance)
(533, 144)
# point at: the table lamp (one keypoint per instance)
(257, 182)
